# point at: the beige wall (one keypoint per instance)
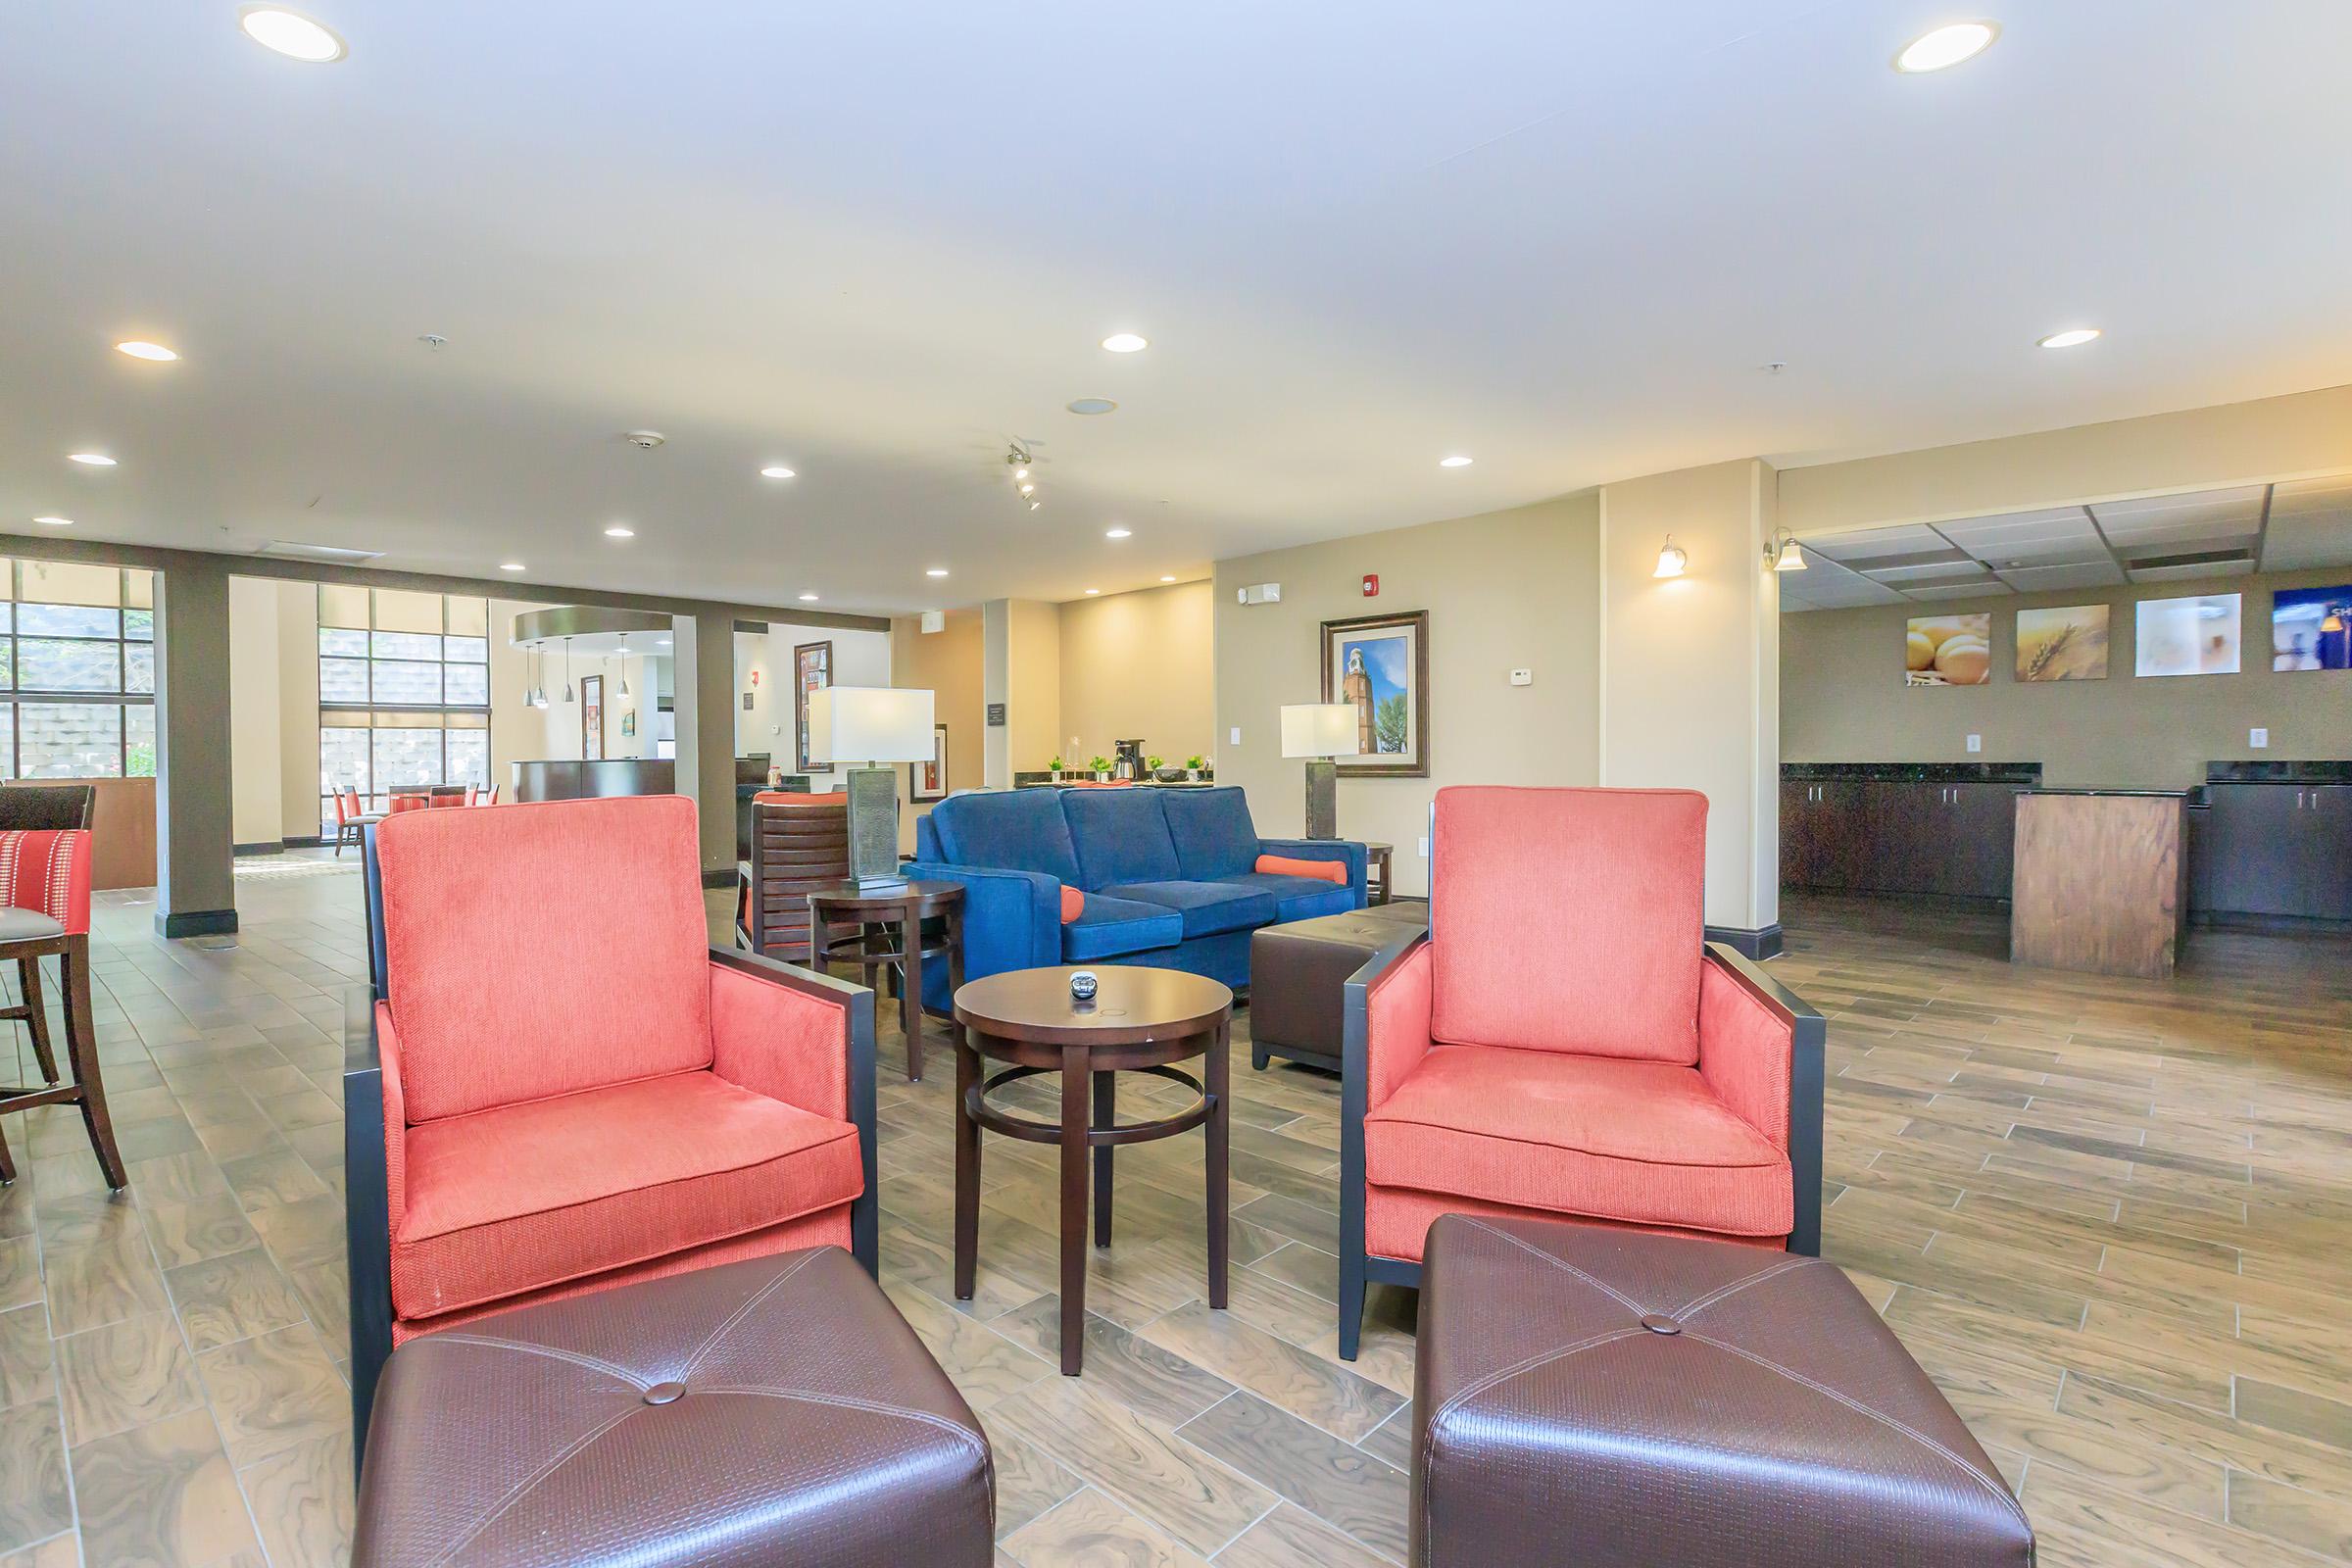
(947, 664)
(1032, 684)
(1142, 665)
(1843, 697)
(2270, 439)
(859, 658)
(257, 776)
(1505, 590)
(1689, 667)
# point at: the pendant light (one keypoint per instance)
(568, 698)
(625, 664)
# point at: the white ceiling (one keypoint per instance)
(2174, 538)
(875, 242)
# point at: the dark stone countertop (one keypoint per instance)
(2161, 795)
(1915, 772)
(2279, 772)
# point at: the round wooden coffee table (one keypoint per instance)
(1140, 1020)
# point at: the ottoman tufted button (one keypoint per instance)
(1657, 1323)
(664, 1393)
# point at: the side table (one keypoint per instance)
(885, 916)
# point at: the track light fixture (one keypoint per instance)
(1025, 484)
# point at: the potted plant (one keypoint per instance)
(1055, 765)
(1101, 768)
(1192, 766)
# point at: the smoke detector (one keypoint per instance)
(645, 440)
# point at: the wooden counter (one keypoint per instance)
(2100, 881)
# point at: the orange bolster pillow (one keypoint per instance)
(1073, 903)
(1321, 870)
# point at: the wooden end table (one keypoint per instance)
(1376, 859)
(1140, 1020)
(887, 915)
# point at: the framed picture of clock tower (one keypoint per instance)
(1379, 665)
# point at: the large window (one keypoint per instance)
(404, 693)
(76, 671)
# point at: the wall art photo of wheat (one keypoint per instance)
(2069, 643)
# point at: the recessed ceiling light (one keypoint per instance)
(620, 530)
(1946, 46)
(1091, 592)
(2072, 337)
(1167, 579)
(1453, 463)
(775, 470)
(936, 572)
(291, 33)
(1092, 405)
(807, 599)
(56, 522)
(1126, 343)
(510, 565)
(139, 349)
(1117, 533)
(96, 459)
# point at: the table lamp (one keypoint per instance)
(878, 725)
(1319, 732)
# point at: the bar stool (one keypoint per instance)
(45, 877)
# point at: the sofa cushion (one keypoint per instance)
(1212, 831)
(1299, 897)
(1207, 907)
(525, 1196)
(1014, 830)
(534, 950)
(1645, 1143)
(1121, 835)
(1320, 870)
(1569, 919)
(1111, 928)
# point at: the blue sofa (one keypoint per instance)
(1170, 877)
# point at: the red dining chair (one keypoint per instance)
(350, 818)
(45, 877)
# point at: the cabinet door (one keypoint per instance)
(1897, 852)
(1796, 834)
(2257, 847)
(1840, 836)
(2326, 837)
(1982, 844)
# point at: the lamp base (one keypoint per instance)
(1322, 799)
(873, 808)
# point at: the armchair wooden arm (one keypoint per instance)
(1808, 1034)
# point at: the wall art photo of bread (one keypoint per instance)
(1949, 651)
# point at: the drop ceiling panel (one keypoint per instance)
(2100, 573)
(1910, 539)
(2203, 513)
(1955, 567)
(2067, 531)
(2311, 526)
(2192, 571)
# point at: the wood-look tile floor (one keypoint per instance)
(2108, 1215)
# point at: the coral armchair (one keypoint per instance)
(1563, 1043)
(560, 1086)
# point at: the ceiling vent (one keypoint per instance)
(334, 553)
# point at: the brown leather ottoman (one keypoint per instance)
(772, 1411)
(1297, 972)
(1591, 1394)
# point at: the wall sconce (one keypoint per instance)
(1787, 554)
(1672, 560)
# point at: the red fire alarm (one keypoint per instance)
(1371, 586)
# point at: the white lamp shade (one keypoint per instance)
(869, 724)
(1320, 729)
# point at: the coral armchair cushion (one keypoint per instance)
(543, 949)
(48, 870)
(1645, 1143)
(522, 1196)
(1569, 921)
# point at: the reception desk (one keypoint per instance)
(580, 781)
(2100, 880)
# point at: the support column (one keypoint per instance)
(1689, 674)
(703, 698)
(195, 838)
